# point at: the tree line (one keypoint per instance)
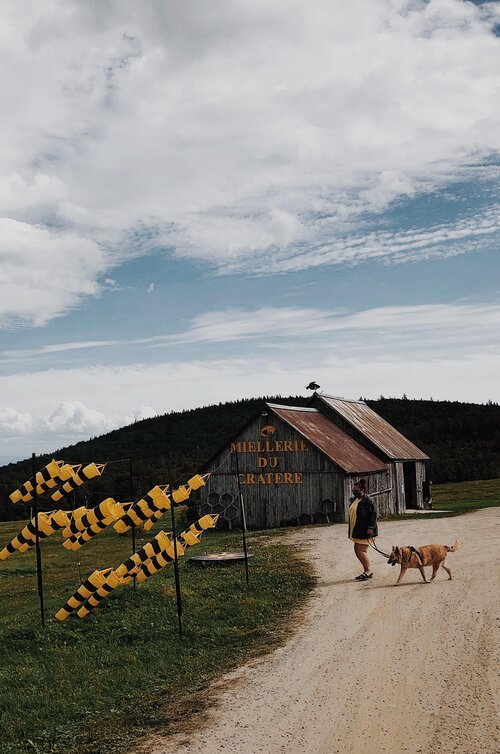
(461, 439)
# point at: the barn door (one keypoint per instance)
(410, 482)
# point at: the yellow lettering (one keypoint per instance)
(261, 462)
(260, 479)
(278, 478)
(298, 477)
(236, 447)
(251, 447)
(287, 478)
(250, 478)
(273, 462)
(269, 478)
(287, 445)
(278, 445)
(303, 445)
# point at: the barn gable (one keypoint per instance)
(365, 423)
(343, 450)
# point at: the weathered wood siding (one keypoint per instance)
(375, 483)
(399, 487)
(421, 474)
(301, 485)
(291, 482)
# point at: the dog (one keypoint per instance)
(419, 557)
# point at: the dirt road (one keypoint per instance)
(375, 668)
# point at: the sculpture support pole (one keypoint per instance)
(132, 500)
(176, 562)
(243, 518)
(37, 545)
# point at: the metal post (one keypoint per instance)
(132, 500)
(243, 518)
(78, 554)
(176, 561)
(37, 544)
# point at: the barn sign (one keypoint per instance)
(268, 455)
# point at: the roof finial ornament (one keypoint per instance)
(313, 386)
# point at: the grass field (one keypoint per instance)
(467, 496)
(454, 499)
(99, 684)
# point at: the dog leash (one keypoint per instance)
(371, 542)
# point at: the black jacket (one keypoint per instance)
(366, 517)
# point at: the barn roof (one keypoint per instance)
(387, 439)
(321, 432)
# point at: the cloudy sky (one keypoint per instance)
(206, 201)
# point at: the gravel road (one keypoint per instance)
(374, 667)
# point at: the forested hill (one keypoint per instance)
(462, 440)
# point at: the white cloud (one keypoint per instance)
(468, 234)
(231, 133)
(456, 322)
(234, 240)
(75, 419)
(460, 326)
(151, 287)
(14, 423)
(440, 351)
(22, 433)
(44, 273)
(350, 367)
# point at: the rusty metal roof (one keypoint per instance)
(329, 439)
(382, 434)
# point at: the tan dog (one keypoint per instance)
(418, 557)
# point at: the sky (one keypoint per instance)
(201, 202)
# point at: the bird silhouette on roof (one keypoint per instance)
(312, 386)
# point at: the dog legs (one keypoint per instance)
(404, 569)
(447, 571)
(401, 574)
(421, 569)
(435, 568)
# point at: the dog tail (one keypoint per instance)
(455, 547)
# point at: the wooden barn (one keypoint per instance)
(406, 462)
(297, 465)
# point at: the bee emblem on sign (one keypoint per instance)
(268, 430)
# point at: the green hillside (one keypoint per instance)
(462, 440)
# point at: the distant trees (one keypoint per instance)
(462, 440)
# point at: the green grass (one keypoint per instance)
(97, 685)
(457, 498)
(101, 683)
(464, 497)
